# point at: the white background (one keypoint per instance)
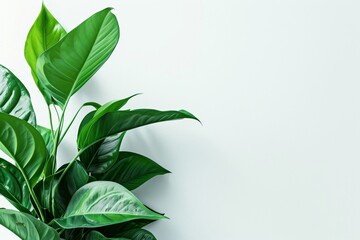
(276, 84)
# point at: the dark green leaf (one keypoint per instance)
(101, 156)
(120, 121)
(69, 64)
(103, 203)
(94, 235)
(45, 32)
(74, 178)
(132, 170)
(23, 143)
(137, 234)
(13, 187)
(113, 230)
(26, 226)
(14, 98)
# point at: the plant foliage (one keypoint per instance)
(89, 197)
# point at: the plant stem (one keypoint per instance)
(51, 121)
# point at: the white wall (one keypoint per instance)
(276, 84)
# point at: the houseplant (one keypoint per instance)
(90, 196)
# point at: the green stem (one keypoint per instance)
(51, 121)
(72, 121)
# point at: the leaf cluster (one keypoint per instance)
(90, 196)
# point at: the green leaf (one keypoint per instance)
(14, 98)
(101, 156)
(26, 226)
(23, 143)
(103, 203)
(137, 234)
(111, 106)
(74, 178)
(120, 121)
(44, 33)
(94, 235)
(13, 187)
(114, 230)
(49, 143)
(69, 64)
(132, 170)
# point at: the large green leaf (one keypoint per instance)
(69, 64)
(26, 226)
(23, 143)
(103, 203)
(14, 98)
(13, 187)
(132, 170)
(120, 121)
(44, 33)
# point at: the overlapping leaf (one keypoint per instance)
(132, 170)
(120, 121)
(44, 33)
(102, 155)
(26, 226)
(103, 203)
(22, 142)
(13, 187)
(14, 98)
(69, 64)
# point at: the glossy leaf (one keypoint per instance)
(14, 98)
(137, 234)
(13, 187)
(69, 64)
(105, 156)
(44, 33)
(26, 226)
(114, 230)
(120, 121)
(132, 170)
(103, 203)
(109, 107)
(23, 143)
(101, 156)
(94, 235)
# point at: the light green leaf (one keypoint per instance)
(13, 187)
(26, 226)
(44, 33)
(14, 98)
(23, 143)
(132, 170)
(120, 121)
(103, 203)
(69, 64)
